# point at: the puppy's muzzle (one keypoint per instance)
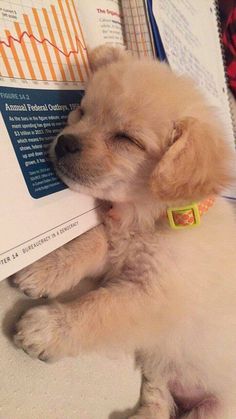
(67, 145)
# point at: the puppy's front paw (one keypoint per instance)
(42, 279)
(42, 332)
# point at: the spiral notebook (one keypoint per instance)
(186, 34)
(189, 31)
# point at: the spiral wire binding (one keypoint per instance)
(219, 28)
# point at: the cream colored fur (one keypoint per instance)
(169, 296)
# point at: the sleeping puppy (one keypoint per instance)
(148, 146)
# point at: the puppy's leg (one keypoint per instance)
(62, 269)
(109, 316)
(155, 400)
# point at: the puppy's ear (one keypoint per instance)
(105, 55)
(195, 165)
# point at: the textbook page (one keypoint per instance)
(110, 25)
(190, 35)
(43, 67)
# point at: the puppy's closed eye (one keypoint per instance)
(123, 136)
(82, 112)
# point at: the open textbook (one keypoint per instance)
(43, 67)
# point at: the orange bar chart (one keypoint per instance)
(44, 44)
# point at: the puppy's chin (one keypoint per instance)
(115, 191)
(73, 184)
(77, 185)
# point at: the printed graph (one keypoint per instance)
(42, 43)
(136, 28)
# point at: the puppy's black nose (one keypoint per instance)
(67, 144)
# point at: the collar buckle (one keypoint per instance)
(181, 217)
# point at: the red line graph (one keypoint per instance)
(41, 41)
(67, 62)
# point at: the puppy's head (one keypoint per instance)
(141, 130)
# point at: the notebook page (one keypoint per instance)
(190, 35)
(137, 34)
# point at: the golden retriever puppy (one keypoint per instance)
(147, 145)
